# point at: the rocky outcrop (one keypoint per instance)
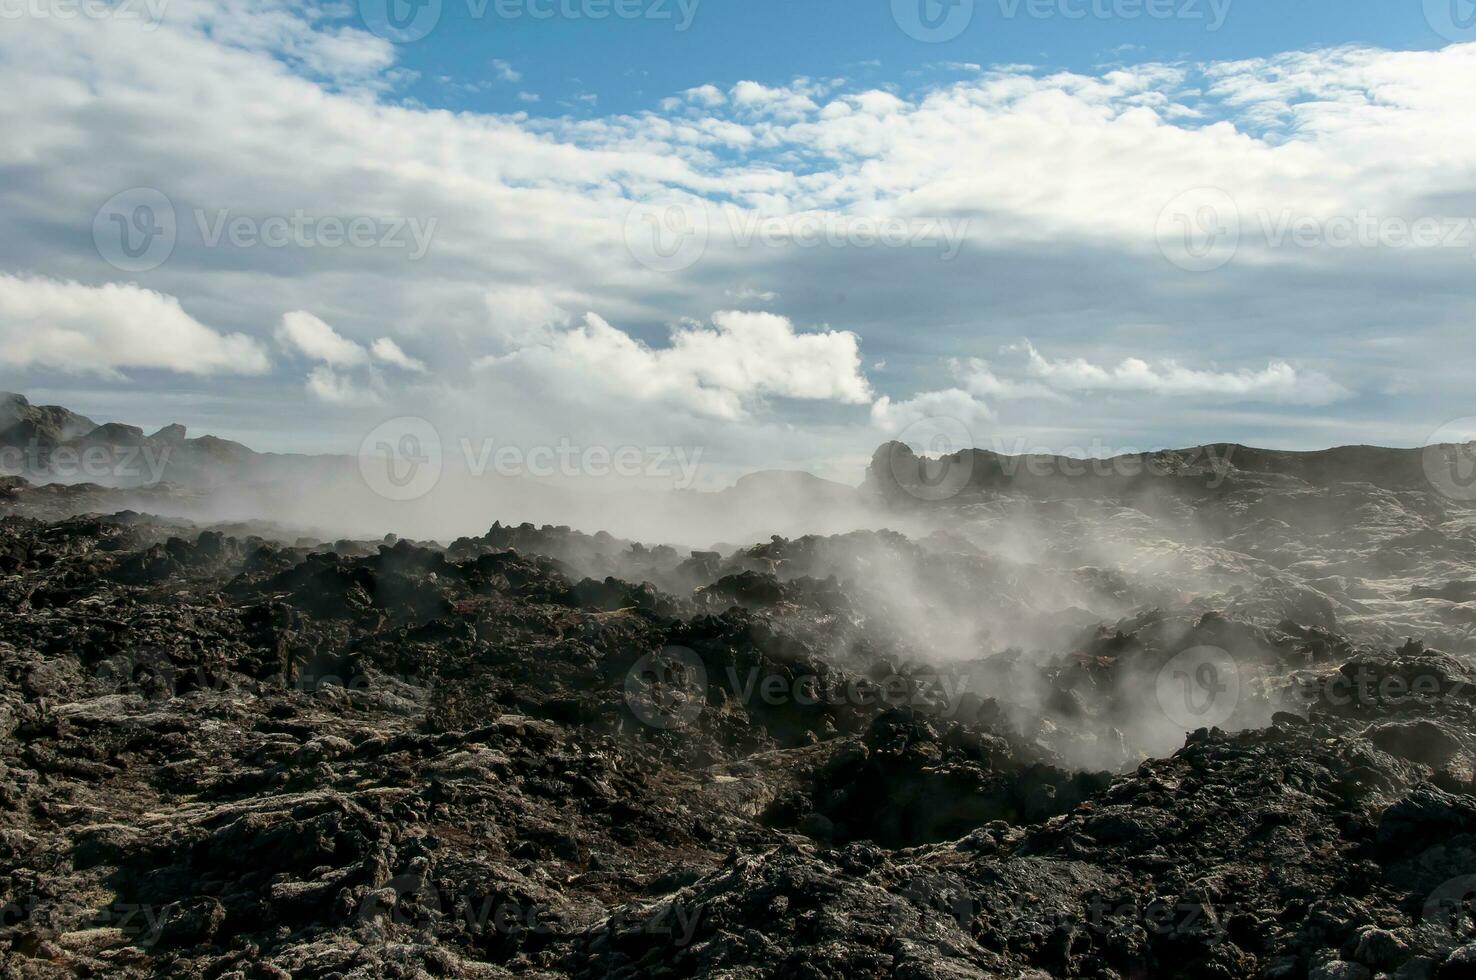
(224, 754)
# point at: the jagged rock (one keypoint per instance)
(231, 750)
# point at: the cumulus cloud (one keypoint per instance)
(309, 336)
(345, 374)
(520, 315)
(1064, 177)
(980, 378)
(782, 102)
(706, 95)
(950, 404)
(301, 35)
(719, 371)
(386, 350)
(1277, 382)
(1034, 376)
(333, 388)
(106, 329)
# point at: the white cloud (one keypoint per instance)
(1278, 382)
(327, 385)
(505, 72)
(1033, 376)
(786, 103)
(309, 336)
(1063, 175)
(299, 35)
(980, 379)
(721, 372)
(106, 329)
(750, 294)
(520, 315)
(706, 95)
(951, 404)
(386, 350)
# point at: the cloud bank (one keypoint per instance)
(1065, 183)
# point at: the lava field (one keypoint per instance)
(1213, 722)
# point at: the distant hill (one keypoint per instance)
(788, 485)
(896, 471)
(21, 422)
(49, 442)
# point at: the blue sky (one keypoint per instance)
(784, 235)
(631, 64)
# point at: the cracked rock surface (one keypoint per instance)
(229, 752)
